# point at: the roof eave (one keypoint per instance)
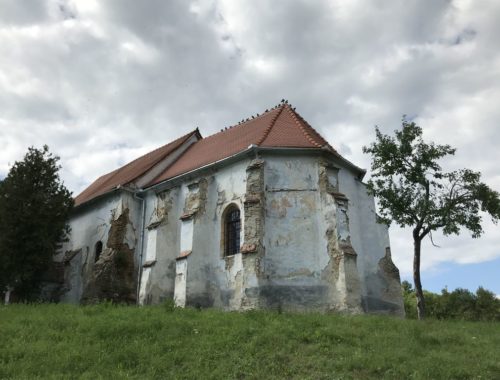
(250, 151)
(325, 150)
(120, 188)
(81, 206)
(359, 171)
(220, 163)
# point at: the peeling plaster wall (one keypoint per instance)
(162, 220)
(304, 268)
(90, 225)
(212, 279)
(188, 250)
(305, 245)
(309, 241)
(180, 282)
(380, 282)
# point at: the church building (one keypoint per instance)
(264, 214)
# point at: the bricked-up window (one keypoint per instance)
(232, 224)
(98, 250)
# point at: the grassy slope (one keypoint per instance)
(62, 341)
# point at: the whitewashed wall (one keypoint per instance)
(183, 259)
(210, 279)
(89, 225)
(370, 241)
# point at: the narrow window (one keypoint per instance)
(98, 250)
(232, 227)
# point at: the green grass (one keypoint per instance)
(108, 342)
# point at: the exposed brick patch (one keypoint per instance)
(114, 277)
(254, 208)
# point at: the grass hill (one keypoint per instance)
(106, 341)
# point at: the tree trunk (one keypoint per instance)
(7, 296)
(416, 276)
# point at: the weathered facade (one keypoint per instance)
(265, 214)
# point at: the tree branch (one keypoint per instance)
(432, 241)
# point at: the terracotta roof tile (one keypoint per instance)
(288, 132)
(131, 171)
(279, 127)
(219, 146)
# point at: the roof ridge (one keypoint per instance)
(119, 176)
(327, 144)
(295, 117)
(178, 158)
(104, 178)
(185, 137)
(241, 123)
(271, 125)
(116, 172)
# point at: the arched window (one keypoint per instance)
(97, 250)
(232, 229)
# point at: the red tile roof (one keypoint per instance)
(131, 171)
(279, 127)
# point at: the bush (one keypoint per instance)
(460, 304)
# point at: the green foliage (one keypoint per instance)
(169, 305)
(113, 341)
(413, 190)
(407, 287)
(487, 306)
(410, 302)
(34, 208)
(460, 304)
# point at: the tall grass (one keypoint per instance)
(106, 341)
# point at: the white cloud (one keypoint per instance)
(102, 82)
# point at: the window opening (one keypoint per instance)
(233, 229)
(98, 250)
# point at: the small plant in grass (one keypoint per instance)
(169, 305)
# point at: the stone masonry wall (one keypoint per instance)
(342, 270)
(114, 276)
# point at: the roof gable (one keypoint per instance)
(290, 130)
(128, 173)
(279, 127)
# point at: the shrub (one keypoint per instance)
(460, 304)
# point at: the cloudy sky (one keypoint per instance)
(104, 82)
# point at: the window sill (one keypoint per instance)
(248, 248)
(183, 255)
(149, 264)
(231, 256)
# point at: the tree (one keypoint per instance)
(460, 304)
(413, 191)
(487, 305)
(34, 209)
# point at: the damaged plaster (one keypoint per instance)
(113, 277)
(309, 241)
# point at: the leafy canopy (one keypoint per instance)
(34, 209)
(460, 304)
(413, 190)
